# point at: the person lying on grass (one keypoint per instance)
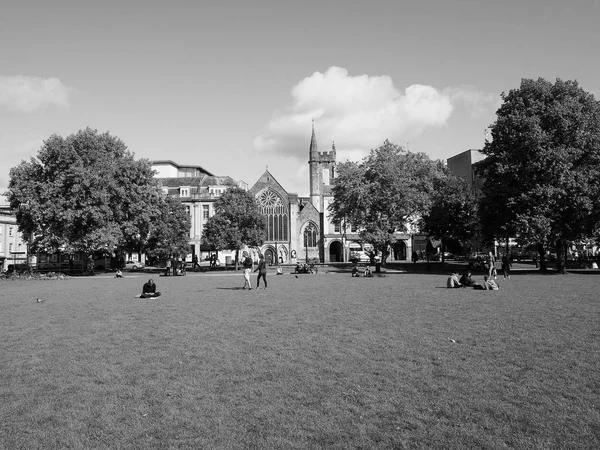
(149, 290)
(488, 284)
(466, 279)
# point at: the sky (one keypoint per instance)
(234, 86)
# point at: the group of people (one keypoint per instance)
(466, 280)
(490, 266)
(262, 273)
(356, 271)
(175, 268)
(305, 268)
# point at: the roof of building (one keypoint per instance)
(181, 166)
(203, 181)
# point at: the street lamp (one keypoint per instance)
(308, 232)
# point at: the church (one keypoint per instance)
(298, 228)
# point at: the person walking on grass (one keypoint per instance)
(247, 278)
(262, 272)
(490, 263)
(506, 266)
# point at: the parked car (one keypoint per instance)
(362, 256)
(477, 260)
(447, 256)
(134, 265)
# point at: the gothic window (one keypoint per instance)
(274, 209)
(310, 235)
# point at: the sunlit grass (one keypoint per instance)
(318, 361)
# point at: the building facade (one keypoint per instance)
(13, 250)
(299, 228)
(464, 165)
(197, 190)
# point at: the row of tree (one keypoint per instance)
(393, 190)
(541, 186)
(541, 179)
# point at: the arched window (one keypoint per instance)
(275, 210)
(310, 235)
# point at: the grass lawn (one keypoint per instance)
(315, 361)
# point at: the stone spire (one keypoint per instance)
(314, 150)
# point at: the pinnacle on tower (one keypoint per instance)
(313, 141)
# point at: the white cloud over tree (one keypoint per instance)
(360, 112)
(28, 94)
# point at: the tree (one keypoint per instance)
(169, 231)
(542, 171)
(453, 210)
(383, 192)
(236, 223)
(84, 193)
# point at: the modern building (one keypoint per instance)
(464, 164)
(13, 250)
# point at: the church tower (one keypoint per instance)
(321, 168)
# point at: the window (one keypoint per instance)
(337, 228)
(10, 231)
(10, 248)
(310, 235)
(184, 192)
(187, 209)
(272, 206)
(205, 212)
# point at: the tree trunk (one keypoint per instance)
(237, 258)
(542, 255)
(560, 259)
(442, 245)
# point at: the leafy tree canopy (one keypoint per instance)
(237, 222)
(382, 193)
(169, 229)
(85, 192)
(542, 171)
(453, 209)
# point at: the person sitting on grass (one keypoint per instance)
(119, 274)
(149, 290)
(489, 284)
(453, 281)
(466, 280)
(368, 273)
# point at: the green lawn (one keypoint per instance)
(315, 361)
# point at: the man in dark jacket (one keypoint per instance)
(149, 290)
(262, 272)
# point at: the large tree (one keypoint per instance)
(382, 193)
(542, 171)
(237, 222)
(85, 192)
(169, 230)
(452, 213)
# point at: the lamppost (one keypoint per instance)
(306, 231)
(308, 234)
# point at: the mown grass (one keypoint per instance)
(318, 361)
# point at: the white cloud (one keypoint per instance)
(478, 103)
(359, 113)
(28, 94)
